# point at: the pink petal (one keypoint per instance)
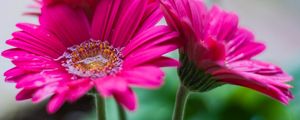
(155, 36)
(56, 102)
(30, 81)
(105, 17)
(24, 58)
(30, 62)
(268, 70)
(71, 26)
(30, 48)
(40, 36)
(128, 23)
(279, 93)
(108, 85)
(17, 79)
(141, 57)
(170, 14)
(198, 10)
(182, 7)
(216, 50)
(242, 37)
(78, 88)
(163, 62)
(24, 37)
(152, 16)
(36, 64)
(222, 24)
(13, 74)
(25, 94)
(247, 52)
(146, 77)
(263, 84)
(177, 15)
(44, 92)
(17, 54)
(126, 98)
(43, 78)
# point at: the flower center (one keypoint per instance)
(93, 59)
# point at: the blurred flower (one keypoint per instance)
(89, 6)
(71, 2)
(66, 55)
(217, 51)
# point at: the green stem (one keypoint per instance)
(122, 113)
(181, 98)
(100, 107)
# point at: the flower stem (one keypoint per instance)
(100, 107)
(181, 98)
(122, 113)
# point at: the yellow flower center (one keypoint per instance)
(93, 59)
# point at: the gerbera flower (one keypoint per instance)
(217, 51)
(66, 55)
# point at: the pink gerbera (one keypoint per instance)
(221, 51)
(67, 55)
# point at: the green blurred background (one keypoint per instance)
(275, 22)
